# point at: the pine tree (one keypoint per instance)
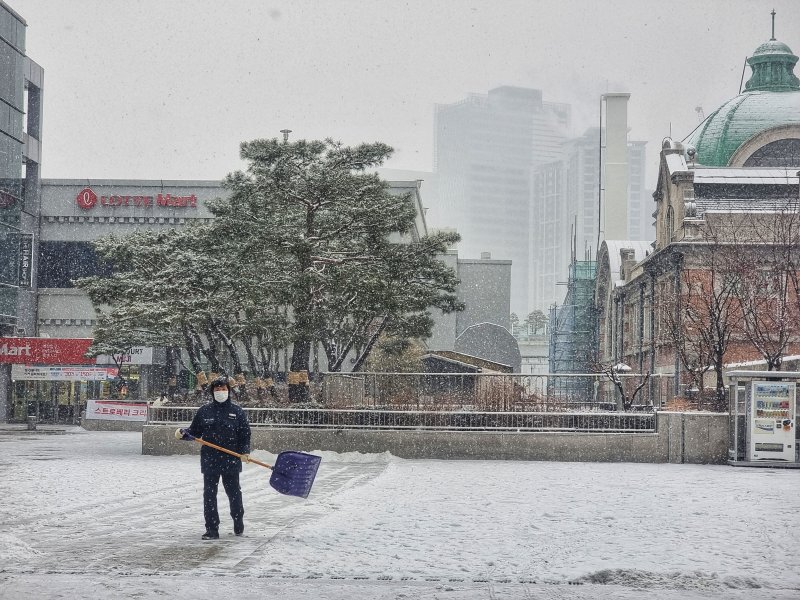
(308, 248)
(330, 227)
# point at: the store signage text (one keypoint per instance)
(41, 373)
(138, 355)
(25, 259)
(7, 349)
(87, 200)
(45, 351)
(117, 411)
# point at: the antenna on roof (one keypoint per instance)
(741, 81)
(773, 25)
(700, 114)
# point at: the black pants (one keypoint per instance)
(230, 481)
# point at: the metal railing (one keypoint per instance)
(589, 422)
(489, 392)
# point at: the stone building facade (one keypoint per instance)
(719, 284)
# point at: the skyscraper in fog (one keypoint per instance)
(564, 201)
(486, 148)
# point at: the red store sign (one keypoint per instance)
(87, 200)
(45, 351)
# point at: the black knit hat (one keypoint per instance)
(219, 382)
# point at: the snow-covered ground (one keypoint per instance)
(85, 515)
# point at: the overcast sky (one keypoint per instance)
(167, 90)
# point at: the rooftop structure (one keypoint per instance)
(761, 126)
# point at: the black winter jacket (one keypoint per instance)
(224, 424)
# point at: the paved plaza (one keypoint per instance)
(85, 515)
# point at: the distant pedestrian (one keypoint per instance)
(225, 424)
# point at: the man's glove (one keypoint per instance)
(245, 457)
(183, 434)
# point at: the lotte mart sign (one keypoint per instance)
(45, 351)
(88, 200)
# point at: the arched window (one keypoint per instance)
(780, 153)
(669, 224)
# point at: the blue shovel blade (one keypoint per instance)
(293, 473)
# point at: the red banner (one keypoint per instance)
(45, 351)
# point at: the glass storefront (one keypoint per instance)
(51, 401)
(64, 401)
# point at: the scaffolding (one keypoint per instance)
(573, 332)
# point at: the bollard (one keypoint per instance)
(31, 422)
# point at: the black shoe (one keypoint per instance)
(238, 529)
(210, 535)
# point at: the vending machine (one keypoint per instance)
(771, 409)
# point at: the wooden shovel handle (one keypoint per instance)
(231, 452)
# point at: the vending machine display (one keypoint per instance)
(771, 418)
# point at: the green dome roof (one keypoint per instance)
(771, 99)
(772, 47)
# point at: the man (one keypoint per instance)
(225, 424)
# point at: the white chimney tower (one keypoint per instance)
(615, 199)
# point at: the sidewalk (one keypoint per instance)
(41, 428)
(88, 517)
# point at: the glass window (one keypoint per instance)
(11, 71)
(781, 153)
(62, 262)
(9, 255)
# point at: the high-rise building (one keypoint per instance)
(564, 217)
(20, 135)
(486, 148)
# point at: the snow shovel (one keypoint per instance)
(292, 474)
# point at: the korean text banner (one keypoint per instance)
(115, 411)
(43, 373)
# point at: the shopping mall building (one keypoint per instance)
(46, 232)
(75, 212)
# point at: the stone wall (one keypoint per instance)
(110, 425)
(698, 438)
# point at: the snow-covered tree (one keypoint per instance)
(536, 321)
(309, 248)
(327, 223)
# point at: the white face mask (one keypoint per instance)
(220, 395)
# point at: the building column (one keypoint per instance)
(5, 393)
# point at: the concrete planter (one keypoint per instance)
(696, 438)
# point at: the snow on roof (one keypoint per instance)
(675, 162)
(760, 361)
(745, 176)
(640, 251)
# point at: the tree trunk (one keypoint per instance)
(209, 352)
(229, 345)
(191, 348)
(266, 366)
(298, 374)
(194, 359)
(172, 375)
(719, 397)
(231, 348)
(330, 354)
(370, 344)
